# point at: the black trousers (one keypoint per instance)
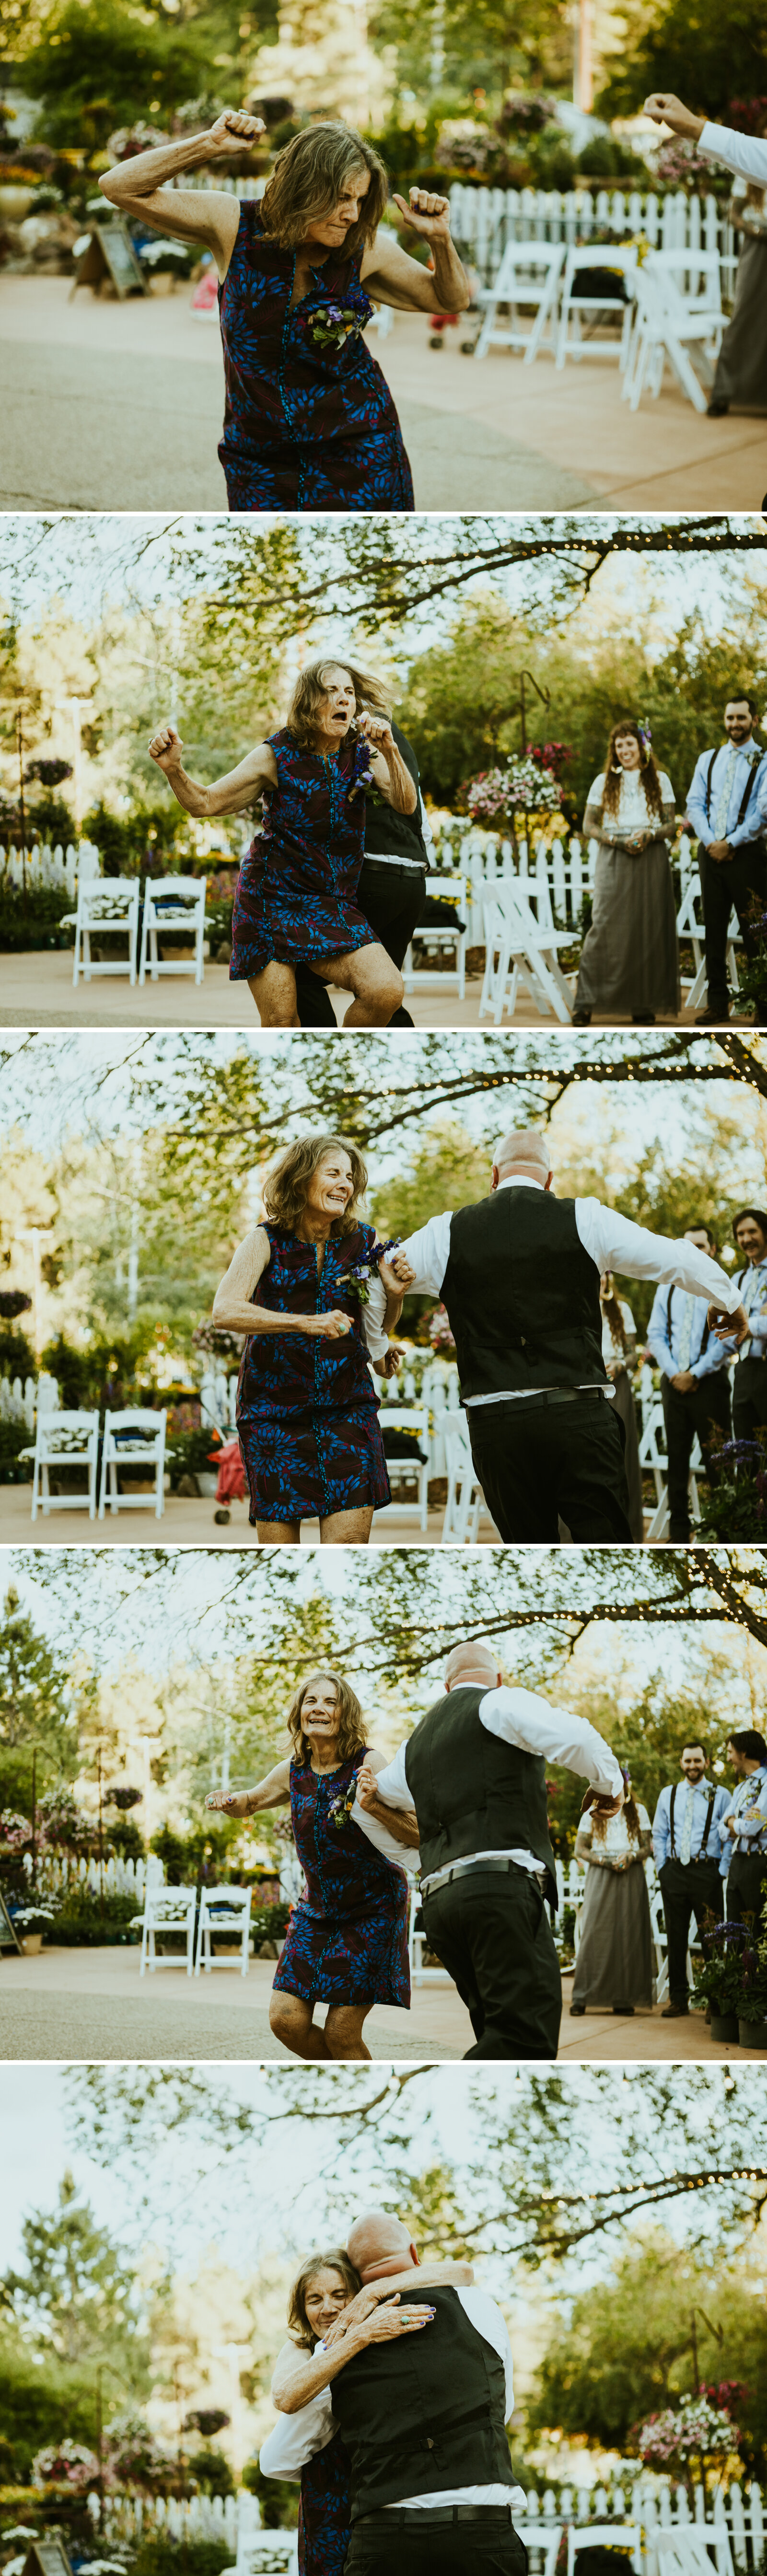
(422, 2544)
(491, 1930)
(687, 1888)
(749, 1401)
(746, 1883)
(541, 1463)
(392, 899)
(705, 1409)
(733, 881)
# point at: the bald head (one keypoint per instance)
(378, 2243)
(472, 1664)
(522, 1155)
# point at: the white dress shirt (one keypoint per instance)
(522, 1718)
(612, 1242)
(294, 2439)
(373, 1314)
(746, 153)
(752, 1291)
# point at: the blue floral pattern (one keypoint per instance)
(306, 427)
(307, 1409)
(296, 892)
(324, 2513)
(346, 1941)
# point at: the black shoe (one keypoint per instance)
(712, 1019)
(623, 2008)
(716, 410)
(577, 2011)
(675, 2012)
(581, 1019)
(643, 1019)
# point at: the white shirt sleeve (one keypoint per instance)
(295, 2438)
(406, 1855)
(520, 1717)
(373, 1315)
(428, 836)
(392, 1782)
(428, 1252)
(484, 2313)
(746, 153)
(616, 1244)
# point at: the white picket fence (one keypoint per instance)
(17, 1402)
(43, 866)
(483, 220)
(563, 868)
(128, 2517)
(56, 1871)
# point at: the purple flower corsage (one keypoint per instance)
(340, 1807)
(359, 1273)
(331, 325)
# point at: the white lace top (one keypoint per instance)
(616, 1837)
(633, 814)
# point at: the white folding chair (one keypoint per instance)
(665, 323)
(416, 1944)
(653, 1454)
(135, 1437)
(624, 2535)
(689, 927)
(167, 1909)
(173, 904)
(411, 1418)
(452, 933)
(223, 1909)
(578, 301)
(465, 1499)
(684, 2550)
(543, 2538)
(104, 904)
(66, 1439)
(518, 284)
(518, 945)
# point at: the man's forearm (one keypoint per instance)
(150, 170)
(451, 285)
(400, 1822)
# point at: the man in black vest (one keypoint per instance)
(726, 809)
(391, 893)
(474, 1773)
(519, 1275)
(687, 1849)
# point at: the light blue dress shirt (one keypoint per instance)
(661, 1827)
(749, 1804)
(753, 1289)
(755, 819)
(665, 1348)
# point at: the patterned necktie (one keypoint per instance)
(685, 1841)
(685, 1333)
(725, 792)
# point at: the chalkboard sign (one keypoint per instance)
(108, 253)
(47, 2557)
(8, 1938)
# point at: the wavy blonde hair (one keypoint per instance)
(614, 771)
(303, 716)
(335, 2261)
(308, 180)
(286, 1185)
(351, 1731)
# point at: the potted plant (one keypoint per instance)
(30, 1922)
(719, 1980)
(696, 2437)
(528, 784)
(752, 1997)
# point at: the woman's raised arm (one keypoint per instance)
(300, 2375)
(207, 215)
(231, 794)
(388, 273)
(274, 1791)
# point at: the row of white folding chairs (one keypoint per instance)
(109, 904)
(134, 1436)
(453, 933)
(412, 1418)
(521, 945)
(174, 1909)
(660, 319)
(665, 322)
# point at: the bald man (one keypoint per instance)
(423, 2420)
(474, 1774)
(519, 1275)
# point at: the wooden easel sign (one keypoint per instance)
(9, 1939)
(47, 2557)
(108, 253)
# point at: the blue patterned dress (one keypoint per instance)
(305, 428)
(324, 2513)
(295, 896)
(346, 1941)
(307, 1410)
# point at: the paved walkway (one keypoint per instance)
(189, 1521)
(87, 427)
(85, 2004)
(36, 992)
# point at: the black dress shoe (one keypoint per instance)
(675, 2012)
(581, 1019)
(716, 410)
(623, 2008)
(643, 1019)
(577, 2012)
(712, 1019)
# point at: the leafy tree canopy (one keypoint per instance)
(658, 2325)
(75, 2296)
(705, 54)
(36, 1700)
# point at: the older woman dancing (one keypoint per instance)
(295, 902)
(309, 421)
(305, 1289)
(347, 1943)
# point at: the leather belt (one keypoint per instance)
(395, 867)
(465, 1869)
(444, 2513)
(558, 1395)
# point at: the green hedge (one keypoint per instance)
(81, 1926)
(34, 923)
(14, 1436)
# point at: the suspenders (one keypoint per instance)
(747, 793)
(706, 1829)
(704, 1338)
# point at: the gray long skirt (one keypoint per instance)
(741, 373)
(614, 1963)
(630, 959)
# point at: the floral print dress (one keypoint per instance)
(307, 1409)
(307, 425)
(296, 894)
(324, 2512)
(346, 1941)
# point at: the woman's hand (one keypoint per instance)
(665, 109)
(396, 1274)
(386, 2323)
(235, 131)
(166, 748)
(356, 2313)
(366, 1785)
(377, 731)
(235, 1802)
(332, 1327)
(425, 214)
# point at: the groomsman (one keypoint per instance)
(519, 1275)
(727, 808)
(695, 1387)
(473, 1773)
(744, 1823)
(750, 1389)
(687, 1848)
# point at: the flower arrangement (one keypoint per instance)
(31, 1918)
(340, 1807)
(719, 1980)
(358, 1275)
(62, 1821)
(680, 165)
(15, 1831)
(528, 784)
(362, 778)
(440, 1335)
(699, 2430)
(66, 2464)
(331, 325)
(213, 1339)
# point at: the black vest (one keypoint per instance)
(472, 1792)
(522, 1295)
(396, 835)
(425, 2412)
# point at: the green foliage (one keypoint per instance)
(736, 1507)
(75, 2296)
(488, 44)
(278, 2498)
(211, 2472)
(691, 47)
(447, 1171)
(158, 2555)
(202, 1853)
(39, 2406)
(17, 1358)
(193, 1452)
(628, 2346)
(31, 920)
(80, 1923)
(14, 1437)
(36, 1704)
(93, 75)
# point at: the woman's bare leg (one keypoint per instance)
(274, 994)
(343, 2031)
(291, 2021)
(373, 979)
(347, 1529)
(279, 1533)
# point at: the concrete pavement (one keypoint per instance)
(189, 1521)
(37, 992)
